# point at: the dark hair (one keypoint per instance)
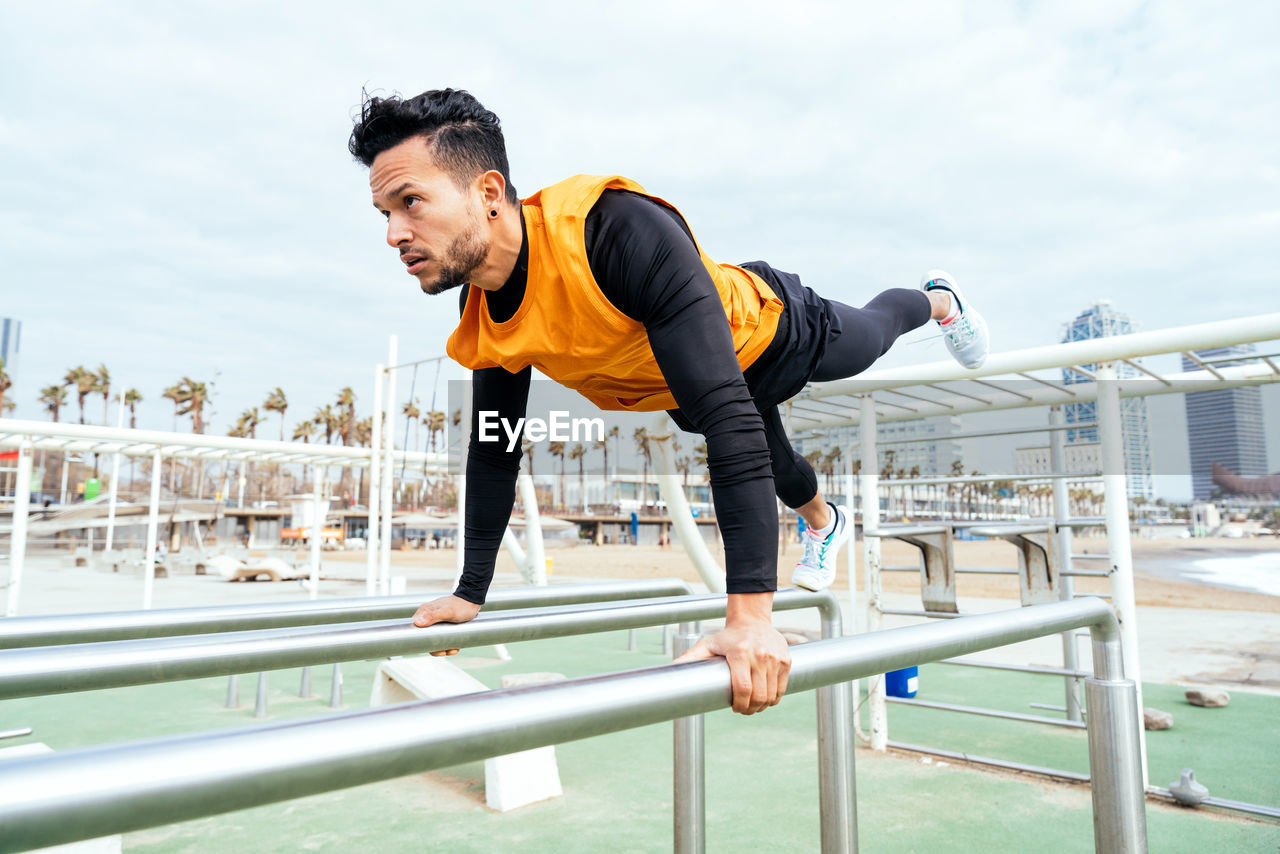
(465, 138)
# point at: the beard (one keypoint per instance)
(463, 257)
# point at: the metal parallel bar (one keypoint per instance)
(90, 792)
(1057, 773)
(16, 733)
(83, 667)
(124, 625)
(986, 478)
(919, 398)
(1020, 668)
(988, 713)
(1270, 364)
(1099, 595)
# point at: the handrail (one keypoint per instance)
(82, 667)
(21, 632)
(81, 794)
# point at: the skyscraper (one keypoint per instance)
(1224, 426)
(1100, 320)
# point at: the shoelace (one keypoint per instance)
(820, 546)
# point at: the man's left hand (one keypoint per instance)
(758, 657)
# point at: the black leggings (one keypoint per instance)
(865, 334)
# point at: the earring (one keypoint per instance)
(493, 213)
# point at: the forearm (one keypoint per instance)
(490, 496)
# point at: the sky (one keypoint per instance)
(176, 197)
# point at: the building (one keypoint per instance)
(919, 443)
(1084, 458)
(1100, 320)
(1224, 427)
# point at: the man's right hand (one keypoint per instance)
(446, 609)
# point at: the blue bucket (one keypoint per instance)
(902, 683)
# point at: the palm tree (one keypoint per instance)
(556, 449)
(173, 393)
(363, 435)
(247, 426)
(326, 420)
(85, 381)
(102, 385)
(641, 437)
(527, 447)
(192, 397)
(833, 457)
(414, 415)
(304, 430)
(347, 414)
(277, 402)
(132, 398)
(577, 452)
(53, 397)
(435, 426)
(615, 434)
(602, 444)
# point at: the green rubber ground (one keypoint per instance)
(761, 772)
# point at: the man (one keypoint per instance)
(603, 288)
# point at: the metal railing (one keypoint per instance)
(18, 632)
(81, 794)
(36, 671)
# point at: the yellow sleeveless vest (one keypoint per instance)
(566, 327)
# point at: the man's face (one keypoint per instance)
(438, 229)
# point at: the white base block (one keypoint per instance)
(510, 781)
(101, 845)
(520, 779)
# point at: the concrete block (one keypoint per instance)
(101, 845)
(1154, 719)
(510, 781)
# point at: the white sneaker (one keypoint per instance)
(966, 333)
(817, 567)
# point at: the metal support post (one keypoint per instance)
(371, 539)
(335, 688)
(1116, 502)
(464, 448)
(260, 703)
(114, 490)
(388, 472)
(304, 685)
(18, 536)
(631, 640)
(879, 728)
(233, 692)
(1116, 766)
(689, 789)
(666, 641)
(1066, 584)
(318, 510)
(837, 792)
(153, 520)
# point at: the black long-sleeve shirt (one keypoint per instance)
(645, 262)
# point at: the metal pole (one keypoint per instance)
(59, 629)
(837, 792)
(153, 520)
(317, 533)
(1066, 584)
(233, 692)
(689, 762)
(371, 540)
(870, 476)
(83, 667)
(304, 686)
(388, 475)
(80, 794)
(335, 688)
(260, 702)
(1116, 501)
(1116, 766)
(536, 567)
(18, 537)
(115, 479)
